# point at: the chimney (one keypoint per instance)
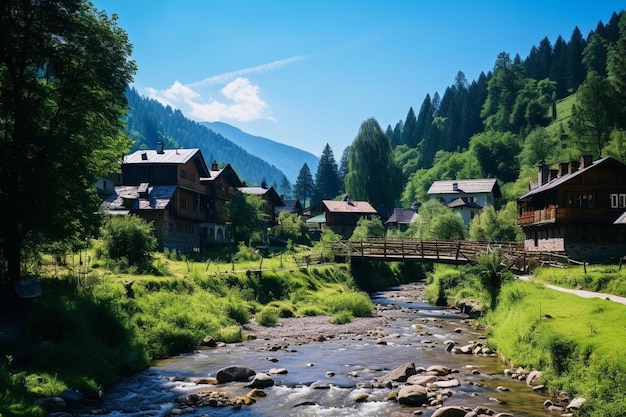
(455, 186)
(144, 156)
(586, 160)
(214, 166)
(542, 174)
(553, 174)
(573, 166)
(563, 169)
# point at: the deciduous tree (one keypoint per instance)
(64, 68)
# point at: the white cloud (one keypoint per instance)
(240, 99)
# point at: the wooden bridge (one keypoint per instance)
(456, 252)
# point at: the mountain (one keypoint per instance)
(148, 122)
(286, 158)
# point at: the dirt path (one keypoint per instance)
(580, 293)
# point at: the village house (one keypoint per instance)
(271, 200)
(163, 187)
(466, 197)
(400, 219)
(342, 216)
(578, 210)
(219, 185)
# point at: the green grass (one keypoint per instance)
(598, 278)
(575, 341)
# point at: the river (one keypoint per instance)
(415, 332)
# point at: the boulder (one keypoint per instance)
(234, 373)
(438, 370)
(400, 374)
(209, 341)
(413, 395)
(450, 383)
(261, 381)
(450, 412)
(52, 404)
(421, 379)
(576, 403)
(533, 377)
(73, 399)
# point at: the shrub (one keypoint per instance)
(128, 240)
(268, 316)
(342, 317)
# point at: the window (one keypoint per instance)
(618, 200)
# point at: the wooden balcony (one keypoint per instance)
(553, 214)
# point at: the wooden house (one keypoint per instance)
(466, 197)
(271, 200)
(219, 185)
(342, 216)
(400, 219)
(576, 210)
(164, 188)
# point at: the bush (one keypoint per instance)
(128, 241)
(342, 317)
(268, 316)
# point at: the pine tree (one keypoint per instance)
(285, 188)
(408, 132)
(305, 187)
(327, 179)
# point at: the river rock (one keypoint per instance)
(451, 412)
(261, 380)
(209, 341)
(450, 383)
(421, 379)
(533, 377)
(52, 404)
(413, 395)
(438, 370)
(234, 373)
(576, 403)
(72, 398)
(400, 374)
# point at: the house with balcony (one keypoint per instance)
(219, 185)
(164, 187)
(342, 216)
(466, 197)
(576, 210)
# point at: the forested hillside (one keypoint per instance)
(148, 122)
(564, 99)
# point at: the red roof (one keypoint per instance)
(349, 207)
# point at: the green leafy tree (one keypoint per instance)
(497, 154)
(343, 167)
(538, 146)
(290, 226)
(616, 66)
(595, 55)
(366, 228)
(496, 226)
(492, 274)
(593, 117)
(129, 239)
(327, 180)
(246, 216)
(373, 174)
(437, 222)
(616, 148)
(304, 188)
(503, 88)
(64, 67)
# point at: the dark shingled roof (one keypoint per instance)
(401, 216)
(459, 202)
(158, 198)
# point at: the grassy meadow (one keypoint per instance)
(86, 331)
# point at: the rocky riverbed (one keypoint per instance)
(410, 359)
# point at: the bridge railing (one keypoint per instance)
(444, 251)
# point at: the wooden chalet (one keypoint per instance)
(271, 200)
(343, 216)
(576, 210)
(176, 191)
(466, 197)
(219, 185)
(400, 219)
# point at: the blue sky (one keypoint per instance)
(307, 73)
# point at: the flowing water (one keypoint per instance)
(354, 363)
